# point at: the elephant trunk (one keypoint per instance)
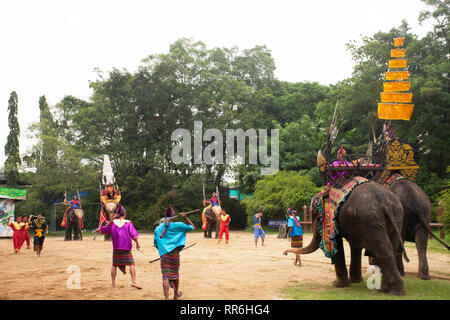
(314, 244)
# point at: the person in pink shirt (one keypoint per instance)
(122, 232)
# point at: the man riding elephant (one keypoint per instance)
(73, 219)
(210, 220)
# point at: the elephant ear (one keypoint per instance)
(321, 161)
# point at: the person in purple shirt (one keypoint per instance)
(122, 232)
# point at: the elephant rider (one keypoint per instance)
(214, 200)
(73, 204)
(110, 194)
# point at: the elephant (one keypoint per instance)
(73, 222)
(212, 222)
(417, 214)
(370, 218)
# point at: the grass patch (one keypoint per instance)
(416, 289)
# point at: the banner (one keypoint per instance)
(6, 215)
(396, 86)
(397, 75)
(398, 63)
(398, 53)
(398, 42)
(392, 111)
(396, 97)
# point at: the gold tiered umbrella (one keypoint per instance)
(395, 102)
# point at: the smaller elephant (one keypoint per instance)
(73, 222)
(212, 222)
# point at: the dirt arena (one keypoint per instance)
(245, 272)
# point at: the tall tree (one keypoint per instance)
(12, 154)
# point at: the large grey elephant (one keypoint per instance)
(73, 222)
(417, 214)
(212, 223)
(370, 218)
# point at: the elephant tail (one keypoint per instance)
(427, 226)
(388, 212)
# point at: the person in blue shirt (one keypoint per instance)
(170, 239)
(295, 234)
(259, 232)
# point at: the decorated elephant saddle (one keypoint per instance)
(79, 213)
(329, 206)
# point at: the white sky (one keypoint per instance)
(52, 47)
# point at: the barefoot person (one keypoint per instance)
(17, 227)
(259, 232)
(295, 234)
(40, 228)
(122, 232)
(170, 239)
(224, 222)
(25, 234)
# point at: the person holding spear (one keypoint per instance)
(170, 239)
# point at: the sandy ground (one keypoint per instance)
(245, 272)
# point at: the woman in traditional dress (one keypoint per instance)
(170, 239)
(17, 227)
(295, 234)
(25, 234)
(259, 232)
(225, 220)
(40, 228)
(122, 232)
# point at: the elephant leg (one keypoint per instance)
(68, 235)
(217, 230)
(75, 232)
(355, 265)
(339, 266)
(391, 280)
(421, 238)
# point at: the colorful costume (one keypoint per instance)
(259, 232)
(296, 233)
(204, 219)
(17, 227)
(122, 231)
(214, 201)
(40, 228)
(224, 222)
(25, 234)
(170, 239)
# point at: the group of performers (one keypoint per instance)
(20, 229)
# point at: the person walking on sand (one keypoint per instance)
(25, 234)
(295, 234)
(225, 220)
(122, 232)
(17, 227)
(39, 225)
(259, 232)
(170, 239)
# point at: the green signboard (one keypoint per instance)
(16, 194)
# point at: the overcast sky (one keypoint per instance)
(52, 47)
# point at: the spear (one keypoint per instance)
(163, 220)
(183, 249)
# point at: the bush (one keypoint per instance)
(275, 193)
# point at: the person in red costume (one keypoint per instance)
(224, 222)
(25, 234)
(17, 227)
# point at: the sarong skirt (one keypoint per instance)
(297, 242)
(38, 243)
(122, 258)
(170, 265)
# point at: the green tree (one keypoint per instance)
(12, 154)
